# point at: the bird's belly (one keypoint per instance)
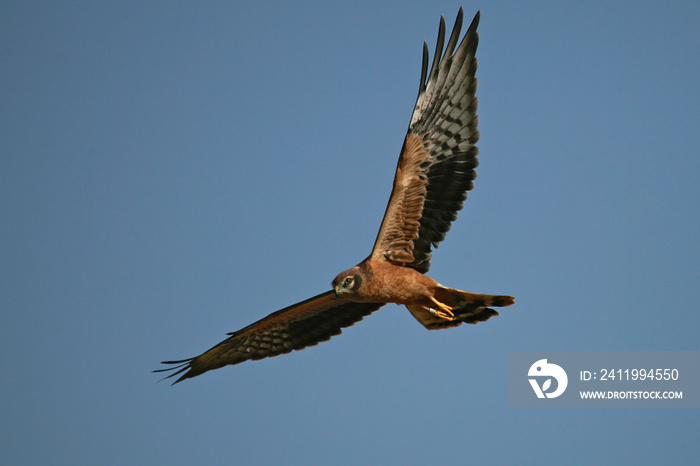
(400, 285)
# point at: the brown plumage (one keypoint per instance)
(434, 172)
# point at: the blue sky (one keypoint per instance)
(170, 172)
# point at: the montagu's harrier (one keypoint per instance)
(434, 173)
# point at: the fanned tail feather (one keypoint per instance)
(467, 307)
(457, 298)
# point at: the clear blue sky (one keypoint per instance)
(170, 172)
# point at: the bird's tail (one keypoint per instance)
(465, 306)
(458, 298)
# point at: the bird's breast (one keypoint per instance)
(396, 284)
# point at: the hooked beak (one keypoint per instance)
(337, 290)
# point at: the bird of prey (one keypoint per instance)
(434, 172)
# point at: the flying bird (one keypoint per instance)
(434, 172)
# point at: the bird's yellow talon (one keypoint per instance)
(446, 310)
(444, 315)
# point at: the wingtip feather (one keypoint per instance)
(179, 367)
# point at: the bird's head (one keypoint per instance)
(348, 282)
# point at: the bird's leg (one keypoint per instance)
(445, 311)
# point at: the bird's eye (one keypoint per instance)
(347, 282)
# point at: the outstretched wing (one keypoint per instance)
(293, 328)
(439, 155)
